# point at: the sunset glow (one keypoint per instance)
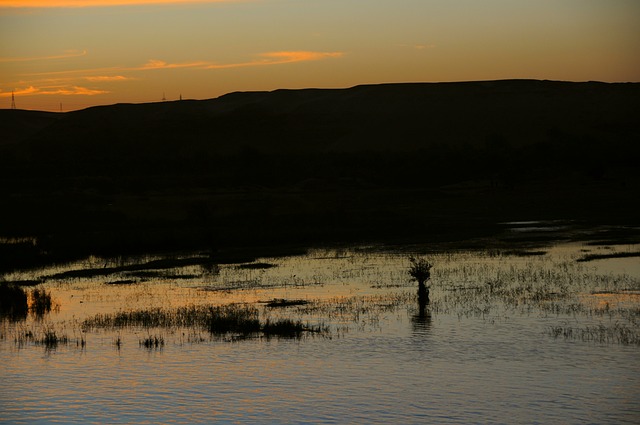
(96, 3)
(109, 51)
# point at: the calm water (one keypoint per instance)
(467, 359)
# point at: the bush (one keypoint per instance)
(41, 302)
(420, 269)
(13, 302)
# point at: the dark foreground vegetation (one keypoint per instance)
(232, 319)
(15, 305)
(398, 162)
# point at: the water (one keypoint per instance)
(385, 363)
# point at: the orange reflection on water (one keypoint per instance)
(609, 300)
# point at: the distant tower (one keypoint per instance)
(164, 99)
(13, 101)
(180, 96)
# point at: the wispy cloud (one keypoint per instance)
(66, 82)
(96, 3)
(269, 58)
(159, 64)
(67, 54)
(281, 57)
(108, 78)
(300, 56)
(60, 91)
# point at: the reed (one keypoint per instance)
(151, 342)
(50, 339)
(40, 302)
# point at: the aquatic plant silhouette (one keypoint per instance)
(420, 270)
(40, 302)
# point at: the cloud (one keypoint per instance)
(96, 3)
(107, 78)
(61, 91)
(64, 82)
(158, 64)
(65, 55)
(300, 56)
(281, 57)
(20, 92)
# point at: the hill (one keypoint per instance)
(374, 117)
(376, 162)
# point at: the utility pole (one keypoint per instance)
(13, 100)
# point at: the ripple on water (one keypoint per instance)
(499, 367)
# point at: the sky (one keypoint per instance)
(71, 54)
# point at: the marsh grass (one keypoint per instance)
(152, 342)
(486, 284)
(288, 328)
(40, 302)
(592, 257)
(361, 311)
(152, 264)
(565, 288)
(616, 333)
(238, 319)
(51, 339)
(256, 266)
(282, 302)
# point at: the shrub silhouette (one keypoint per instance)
(13, 302)
(40, 302)
(420, 270)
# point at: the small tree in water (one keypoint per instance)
(420, 270)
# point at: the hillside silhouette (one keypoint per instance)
(368, 163)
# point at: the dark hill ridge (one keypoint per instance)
(375, 163)
(374, 117)
(19, 125)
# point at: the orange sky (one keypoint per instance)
(93, 3)
(80, 53)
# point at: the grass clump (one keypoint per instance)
(288, 328)
(282, 302)
(152, 342)
(233, 319)
(237, 319)
(40, 302)
(50, 339)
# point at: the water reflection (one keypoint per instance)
(422, 321)
(367, 371)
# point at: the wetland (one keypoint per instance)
(251, 258)
(531, 333)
